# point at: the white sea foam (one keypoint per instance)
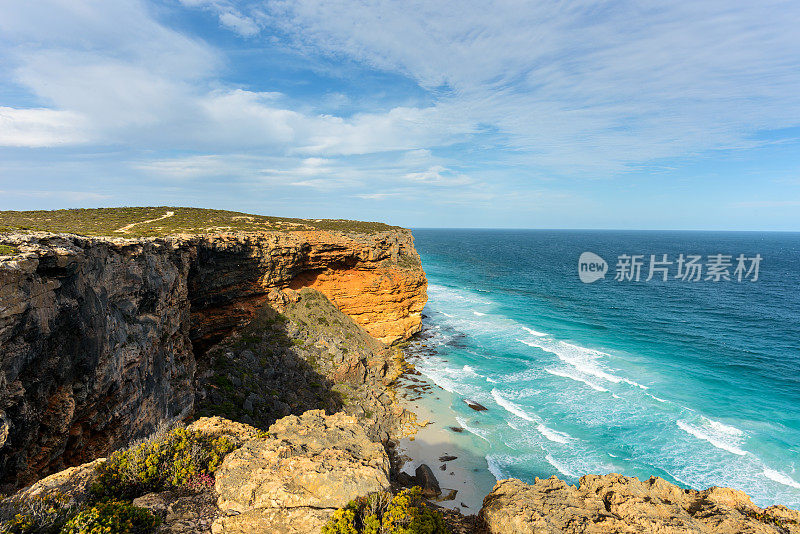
(510, 406)
(560, 466)
(659, 399)
(554, 435)
(572, 376)
(446, 314)
(494, 467)
(469, 370)
(533, 332)
(707, 433)
(483, 434)
(725, 429)
(581, 358)
(781, 478)
(479, 314)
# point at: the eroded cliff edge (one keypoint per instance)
(101, 338)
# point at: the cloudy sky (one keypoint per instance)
(546, 114)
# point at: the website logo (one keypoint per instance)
(591, 267)
(663, 267)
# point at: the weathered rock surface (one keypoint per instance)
(614, 503)
(181, 512)
(294, 480)
(94, 348)
(100, 337)
(74, 483)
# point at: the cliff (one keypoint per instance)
(101, 338)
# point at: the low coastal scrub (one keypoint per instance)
(177, 458)
(157, 221)
(167, 460)
(44, 514)
(6, 250)
(382, 513)
(116, 517)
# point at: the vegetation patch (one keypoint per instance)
(165, 461)
(165, 220)
(113, 516)
(382, 513)
(6, 250)
(41, 513)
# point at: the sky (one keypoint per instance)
(506, 114)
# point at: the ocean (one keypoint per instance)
(696, 382)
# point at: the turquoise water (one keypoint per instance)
(698, 383)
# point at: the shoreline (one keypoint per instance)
(456, 456)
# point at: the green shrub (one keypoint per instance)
(380, 513)
(40, 514)
(115, 517)
(162, 462)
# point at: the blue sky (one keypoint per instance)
(550, 114)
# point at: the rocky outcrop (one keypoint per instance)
(614, 504)
(100, 338)
(292, 481)
(374, 278)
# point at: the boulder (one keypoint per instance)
(427, 481)
(74, 482)
(615, 504)
(293, 480)
(478, 407)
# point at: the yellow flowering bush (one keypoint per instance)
(380, 513)
(112, 517)
(163, 462)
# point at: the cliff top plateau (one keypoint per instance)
(163, 220)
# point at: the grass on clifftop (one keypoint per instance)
(160, 221)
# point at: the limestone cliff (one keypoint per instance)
(616, 504)
(100, 338)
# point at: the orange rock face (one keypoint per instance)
(377, 279)
(386, 301)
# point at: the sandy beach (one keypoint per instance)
(456, 456)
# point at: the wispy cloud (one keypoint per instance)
(488, 101)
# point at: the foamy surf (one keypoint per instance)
(581, 358)
(781, 478)
(483, 434)
(511, 407)
(494, 467)
(571, 376)
(533, 332)
(554, 435)
(706, 434)
(559, 466)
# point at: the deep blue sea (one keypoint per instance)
(695, 382)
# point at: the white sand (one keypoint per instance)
(469, 473)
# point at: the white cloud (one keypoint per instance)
(242, 25)
(40, 127)
(439, 175)
(578, 86)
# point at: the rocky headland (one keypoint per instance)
(275, 341)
